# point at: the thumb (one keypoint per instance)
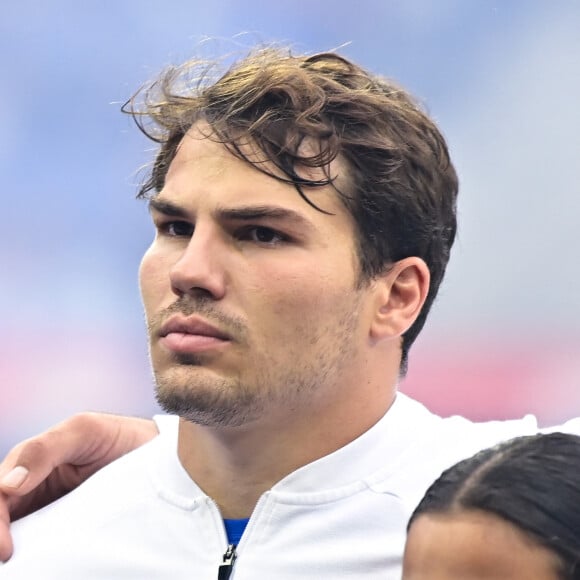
(28, 464)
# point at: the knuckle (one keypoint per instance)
(35, 447)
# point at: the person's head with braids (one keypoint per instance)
(509, 512)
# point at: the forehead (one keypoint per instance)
(203, 168)
(473, 545)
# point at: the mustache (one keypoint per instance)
(188, 306)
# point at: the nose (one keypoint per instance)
(199, 268)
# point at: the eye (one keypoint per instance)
(264, 235)
(176, 229)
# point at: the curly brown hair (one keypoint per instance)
(402, 187)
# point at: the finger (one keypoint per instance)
(30, 462)
(6, 546)
(14, 478)
(86, 441)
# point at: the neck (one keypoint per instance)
(236, 465)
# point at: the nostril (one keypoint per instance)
(198, 292)
(203, 293)
(177, 291)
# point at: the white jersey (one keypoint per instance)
(342, 516)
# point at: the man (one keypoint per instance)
(304, 212)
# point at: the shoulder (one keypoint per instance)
(433, 443)
(457, 435)
(109, 505)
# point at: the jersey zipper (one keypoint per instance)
(225, 569)
(228, 561)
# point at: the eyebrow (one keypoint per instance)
(244, 213)
(257, 212)
(166, 207)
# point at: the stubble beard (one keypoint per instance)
(207, 401)
(213, 401)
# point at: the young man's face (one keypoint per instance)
(250, 293)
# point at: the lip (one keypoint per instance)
(191, 334)
(191, 325)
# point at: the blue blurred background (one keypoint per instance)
(502, 78)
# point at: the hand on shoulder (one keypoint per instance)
(47, 466)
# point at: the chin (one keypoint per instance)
(216, 405)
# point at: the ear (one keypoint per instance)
(400, 294)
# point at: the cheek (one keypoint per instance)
(295, 303)
(153, 278)
(293, 291)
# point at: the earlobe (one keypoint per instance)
(400, 295)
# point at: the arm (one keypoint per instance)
(46, 467)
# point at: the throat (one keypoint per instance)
(232, 469)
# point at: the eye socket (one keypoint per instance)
(264, 235)
(177, 229)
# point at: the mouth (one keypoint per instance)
(191, 334)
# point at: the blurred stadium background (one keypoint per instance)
(502, 78)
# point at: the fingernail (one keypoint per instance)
(15, 478)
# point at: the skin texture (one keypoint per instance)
(474, 545)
